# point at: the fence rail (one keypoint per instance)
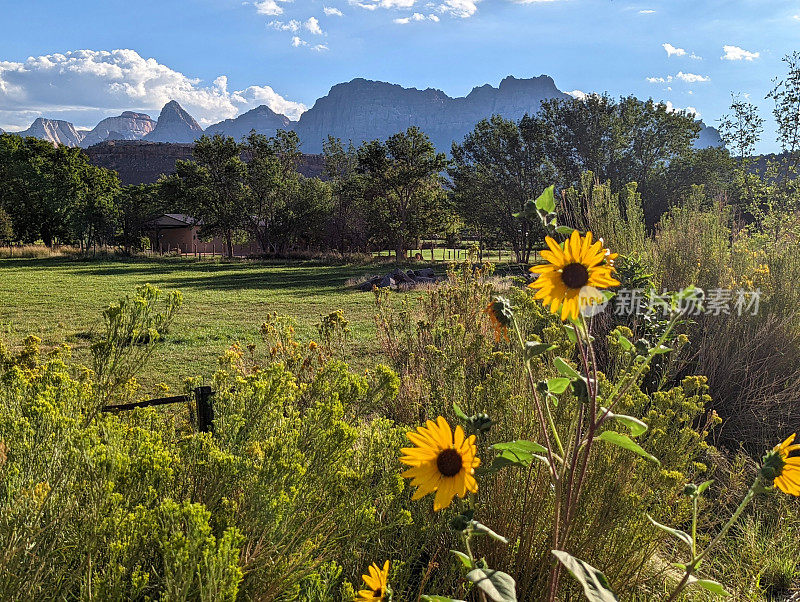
(201, 396)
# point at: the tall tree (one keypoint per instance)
(136, 205)
(347, 225)
(499, 166)
(404, 186)
(212, 188)
(273, 180)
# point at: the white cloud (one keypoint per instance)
(269, 7)
(84, 86)
(673, 109)
(292, 25)
(672, 50)
(459, 8)
(332, 12)
(692, 78)
(660, 80)
(319, 48)
(416, 17)
(734, 53)
(796, 17)
(312, 25)
(297, 42)
(647, 11)
(373, 4)
(579, 94)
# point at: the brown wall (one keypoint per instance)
(185, 240)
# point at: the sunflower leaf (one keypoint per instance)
(626, 442)
(432, 598)
(465, 560)
(595, 585)
(708, 585)
(565, 369)
(677, 533)
(557, 385)
(565, 230)
(460, 413)
(499, 586)
(635, 426)
(534, 348)
(481, 528)
(703, 486)
(547, 200)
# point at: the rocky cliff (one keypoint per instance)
(128, 126)
(175, 125)
(364, 110)
(262, 119)
(54, 131)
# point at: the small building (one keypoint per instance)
(179, 233)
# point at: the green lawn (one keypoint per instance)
(61, 299)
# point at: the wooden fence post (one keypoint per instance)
(205, 410)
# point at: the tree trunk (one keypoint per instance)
(229, 243)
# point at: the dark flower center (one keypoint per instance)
(378, 592)
(575, 275)
(449, 462)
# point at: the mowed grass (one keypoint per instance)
(60, 300)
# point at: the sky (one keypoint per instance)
(82, 61)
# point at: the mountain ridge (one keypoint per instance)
(357, 111)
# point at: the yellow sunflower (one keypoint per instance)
(572, 276)
(500, 316)
(788, 479)
(442, 461)
(375, 580)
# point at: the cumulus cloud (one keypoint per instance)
(312, 25)
(332, 12)
(579, 94)
(674, 51)
(734, 53)
(297, 42)
(459, 8)
(84, 86)
(375, 4)
(692, 78)
(416, 17)
(292, 25)
(269, 7)
(673, 109)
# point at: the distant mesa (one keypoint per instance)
(128, 126)
(357, 111)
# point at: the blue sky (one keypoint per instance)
(221, 57)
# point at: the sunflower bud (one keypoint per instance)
(690, 490)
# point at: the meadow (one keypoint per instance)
(60, 300)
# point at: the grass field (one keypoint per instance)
(60, 300)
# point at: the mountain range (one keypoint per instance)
(358, 110)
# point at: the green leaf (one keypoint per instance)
(624, 342)
(430, 598)
(703, 486)
(465, 560)
(682, 535)
(626, 442)
(635, 426)
(534, 348)
(547, 200)
(659, 350)
(517, 453)
(557, 385)
(460, 413)
(499, 586)
(565, 230)
(570, 328)
(708, 584)
(565, 369)
(595, 585)
(481, 528)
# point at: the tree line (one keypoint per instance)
(382, 194)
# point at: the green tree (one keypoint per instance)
(212, 188)
(346, 225)
(499, 166)
(786, 96)
(6, 228)
(404, 186)
(136, 205)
